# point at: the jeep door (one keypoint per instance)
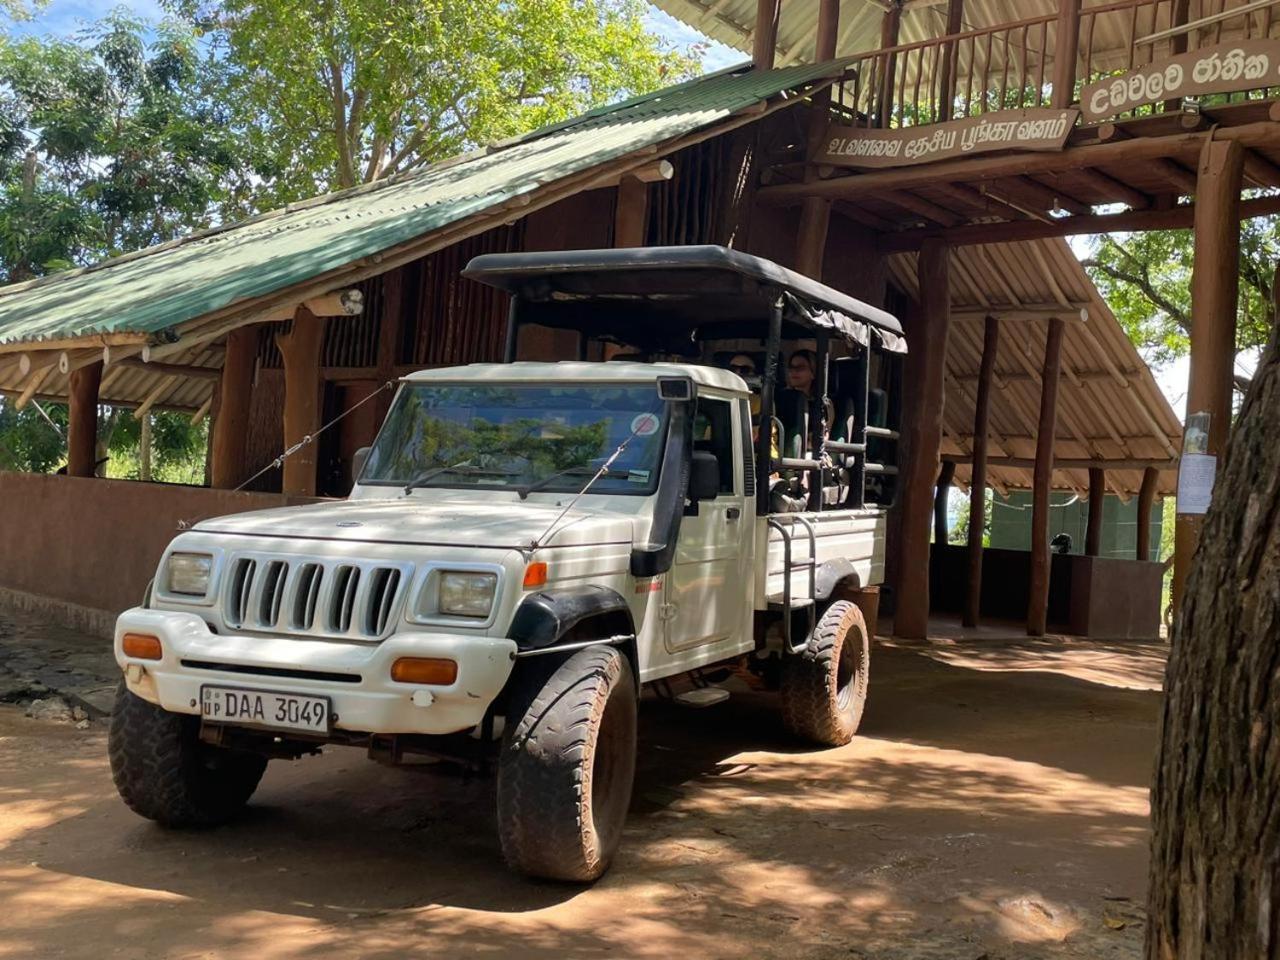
(707, 595)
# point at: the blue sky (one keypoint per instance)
(62, 17)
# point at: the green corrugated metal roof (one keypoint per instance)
(168, 285)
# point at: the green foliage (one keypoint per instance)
(28, 442)
(109, 142)
(1146, 280)
(338, 92)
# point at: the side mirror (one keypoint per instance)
(704, 476)
(357, 462)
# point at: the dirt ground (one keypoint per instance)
(994, 806)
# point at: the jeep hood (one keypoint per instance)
(495, 524)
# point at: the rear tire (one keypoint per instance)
(567, 766)
(824, 687)
(164, 772)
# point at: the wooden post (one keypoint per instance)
(1214, 289)
(765, 36)
(631, 211)
(300, 350)
(144, 448)
(1177, 45)
(1097, 497)
(231, 425)
(82, 420)
(815, 212)
(947, 91)
(889, 26)
(824, 47)
(978, 472)
(1064, 54)
(922, 437)
(1038, 599)
(941, 497)
(1146, 499)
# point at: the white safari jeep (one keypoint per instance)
(530, 544)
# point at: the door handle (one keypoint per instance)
(733, 513)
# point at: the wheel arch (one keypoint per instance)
(566, 616)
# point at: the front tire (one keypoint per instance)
(164, 772)
(567, 766)
(824, 687)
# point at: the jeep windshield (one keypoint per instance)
(520, 436)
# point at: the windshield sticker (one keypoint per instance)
(638, 476)
(645, 425)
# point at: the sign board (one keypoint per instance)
(1031, 129)
(1247, 65)
(1196, 473)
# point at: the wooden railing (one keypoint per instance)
(1011, 65)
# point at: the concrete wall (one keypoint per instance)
(81, 550)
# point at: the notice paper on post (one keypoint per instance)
(1195, 482)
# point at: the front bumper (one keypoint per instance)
(373, 704)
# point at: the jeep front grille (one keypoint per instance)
(348, 599)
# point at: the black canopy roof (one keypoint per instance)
(661, 295)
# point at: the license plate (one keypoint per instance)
(265, 708)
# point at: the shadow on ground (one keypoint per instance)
(988, 807)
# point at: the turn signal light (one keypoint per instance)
(142, 646)
(424, 670)
(535, 574)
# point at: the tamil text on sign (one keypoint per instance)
(1032, 129)
(1248, 65)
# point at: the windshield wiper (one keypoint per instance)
(567, 471)
(463, 468)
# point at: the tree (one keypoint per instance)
(1146, 280)
(109, 142)
(341, 92)
(1215, 854)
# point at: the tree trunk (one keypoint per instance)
(1215, 849)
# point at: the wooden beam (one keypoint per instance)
(1160, 464)
(1114, 190)
(82, 420)
(1065, 52)
(889, 27)
(228, 458)
(824, 45)
(978, 201)
(1176, 174)
(922, 437)
(1038, 595)
(1215, 283)
(1075, 311)
(173, 369)
(203, 412)
(1021, 376)
(941, 496)
(38, 377)
(631, 213)
(764, 38)
(922, 207)
(1146, 498)
(972, 169)
(1097, 497)
(978, 472)
(1179, 218)
(1261, 171)
(1044, 197)
(300, 351)
(947, 85)
(152, 398)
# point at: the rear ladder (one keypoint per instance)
(785, 603)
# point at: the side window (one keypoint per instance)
(713, 432)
